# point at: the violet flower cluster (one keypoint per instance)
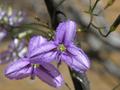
(11, 18)
(41, 52)
(16, 48)
(23, 67)
(62, 48)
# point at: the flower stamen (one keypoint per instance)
(36, 65)
(62, 47)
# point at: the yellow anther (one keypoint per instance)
(36, 65)
(62, 47)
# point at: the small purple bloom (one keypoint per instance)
(16, 18)
(9, 17)
(3, 34)
(23, 68)
(17, 48)
(2, 13)
(63, 49)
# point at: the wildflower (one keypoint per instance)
(2, 13)
(62, 48)
(23, 68)
(11, 17)
(8, 18)
(3, 34)
(17, 48)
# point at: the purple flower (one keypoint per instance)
(16, 18)
(63, 49)
(2, 13)
(9, 17)
(17, 48)
(3, 34)
(24, 68)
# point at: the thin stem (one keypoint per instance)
(99, 29)
(112, 27)
(96, 2)
(61, 2)
(59, 63)
(66, 84)
(115, 23)
(91, 9)
(91, 18)
(90, 5)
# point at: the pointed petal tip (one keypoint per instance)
(18, 69)
(65, 32)
(23, 73)
(16, 65)
(71, 21)
(70, 31)
(77, 59)
(49, 74)
(85, 65)
(59, 81)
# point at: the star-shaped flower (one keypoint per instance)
(24, 68)
(62, 48)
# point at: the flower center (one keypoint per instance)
(62, 47)
(36, 65)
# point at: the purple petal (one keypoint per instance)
(5, 57)
(20, 74)
(21, 45)
(3, 34)
(43, 49)
(2, 14)
(66, 32)
(76, 59)
(18, 69)
(70, 31)
(60, 32)
(35, 42)
(46, 57)
(73, 63)
(49, 56)
(79, 59)
(49, 74)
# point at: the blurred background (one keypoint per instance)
(104, 52)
